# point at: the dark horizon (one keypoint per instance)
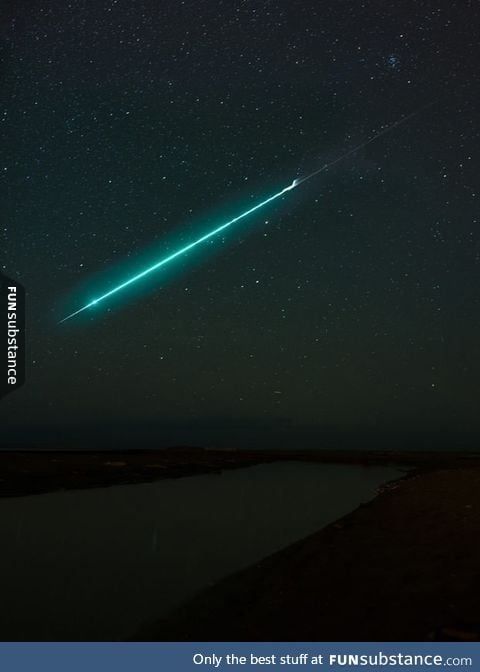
(238, 436)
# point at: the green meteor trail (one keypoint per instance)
(176, 254)
(296, 182)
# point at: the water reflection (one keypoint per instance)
(96, 564)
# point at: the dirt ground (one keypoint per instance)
(404, 567)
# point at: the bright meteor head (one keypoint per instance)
(292, 186)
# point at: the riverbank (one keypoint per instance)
(30, 472)
(108, 560)
(402, 567)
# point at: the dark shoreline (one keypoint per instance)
(30, 472)
(403, 567)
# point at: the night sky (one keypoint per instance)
(345, 313)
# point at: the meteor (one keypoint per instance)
(179, 252)
(296, 182)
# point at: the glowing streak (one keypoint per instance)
(176, 254)
(296, 182)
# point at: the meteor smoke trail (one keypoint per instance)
(362, 145)
(296, 182)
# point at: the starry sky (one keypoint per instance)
(346, 313)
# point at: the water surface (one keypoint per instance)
(99, 563)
